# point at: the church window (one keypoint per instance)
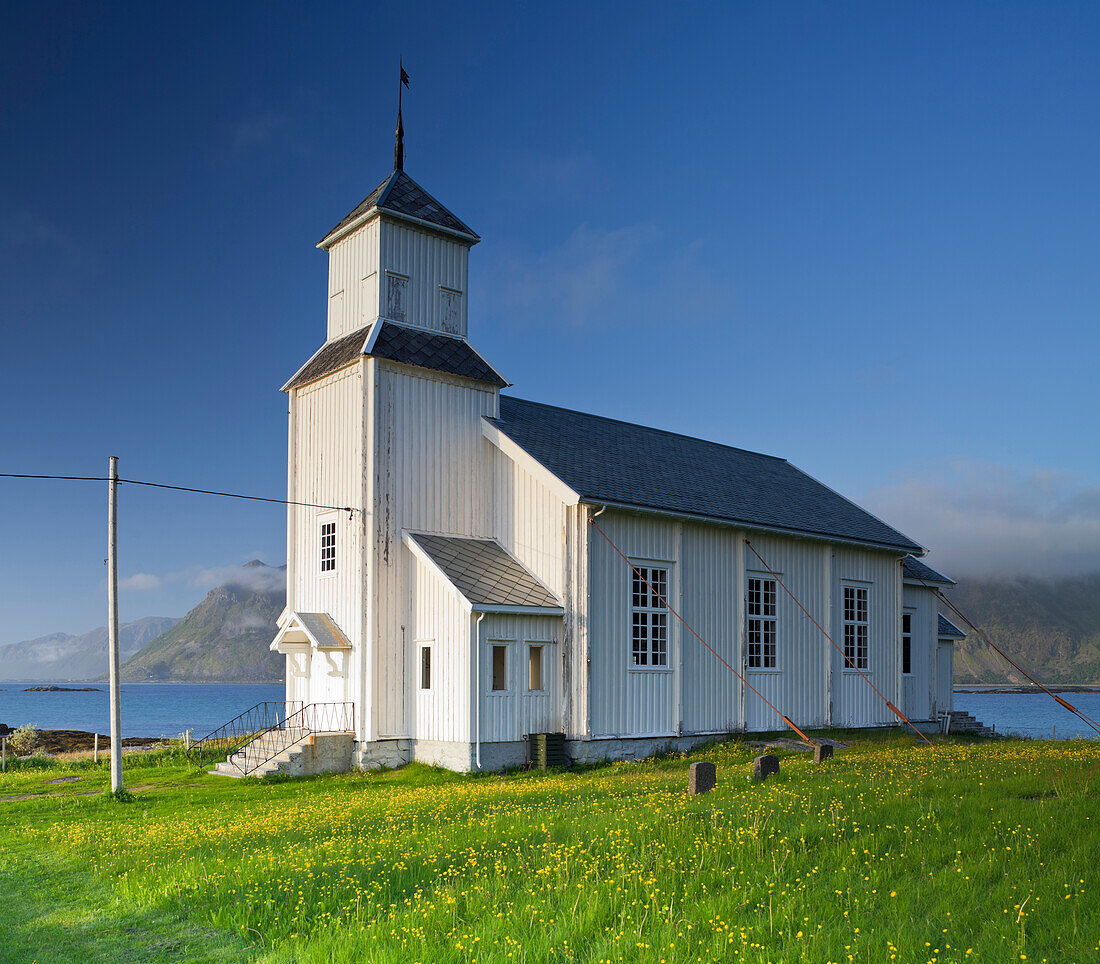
(649, 616)
(425, 666)
(500, 668)
(763, 615)
(534, 669)
(328, 547)
(397, 287)
(450, 310)
(855, 627)
(907, 643)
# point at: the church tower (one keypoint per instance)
(379, 417)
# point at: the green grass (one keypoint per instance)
(969, 851)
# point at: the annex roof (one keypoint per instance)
(398, 343)
(919, 571)
(948, 629)
(309, 629)
(400, 194)
(607, 461)
(488, 577)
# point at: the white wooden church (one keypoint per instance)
(468, 601)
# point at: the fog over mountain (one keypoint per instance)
(60, 656)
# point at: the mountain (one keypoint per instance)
(224, 638)
(1050, 626)
(64, 657)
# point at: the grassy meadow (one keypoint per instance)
(970, 851)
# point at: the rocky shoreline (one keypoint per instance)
(75, 741)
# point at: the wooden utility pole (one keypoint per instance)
(112, 625)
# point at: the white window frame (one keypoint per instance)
(655, 608)
(544, 645)
(911, 615)
(392, 278)
(508, 644)
(856, 623)
(450, 298)
(421, 646)
(764, 619)
(329, 519)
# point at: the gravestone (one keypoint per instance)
(702, 778)
(763, 766)
(822, 752)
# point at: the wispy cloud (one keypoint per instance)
(251, 132)
(257, 578)
(140, 582)
(26, 231)
(609, 277)
(982, 518)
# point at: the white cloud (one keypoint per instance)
(254, 132)
(257, 578)
(981, 518)
(608, 277)
(140, 582)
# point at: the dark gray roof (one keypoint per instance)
(430, 349)
(915, 569)
(948, 628)
(400, 194)
(604, 460)
(484, 573)
(330, 357)
(410, 346)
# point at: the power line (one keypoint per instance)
(178, 488)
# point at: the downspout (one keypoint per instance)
(477, 690)
(603, 509)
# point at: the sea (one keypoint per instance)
(167, 709)
(148, 709)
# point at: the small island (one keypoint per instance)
(62, 689)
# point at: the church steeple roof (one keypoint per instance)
(399, 194)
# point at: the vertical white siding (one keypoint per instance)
(326, 466)
(713, 607)
(515, 713)
(624, 701)
(528, 520)
(430, 262)
(576, 708)
(854, 702)
(798, 686)
(945, 677)
(438, 615)
(430, 475)
(353, 296)
(919, 685)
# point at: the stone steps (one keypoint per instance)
(273, 752)
(963, 722)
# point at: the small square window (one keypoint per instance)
(534, 669)
(500, 669)
(425, 667)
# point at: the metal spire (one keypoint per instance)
(399, 134)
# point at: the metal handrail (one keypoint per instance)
(311, 719)
(242, 729)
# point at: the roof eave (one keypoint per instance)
(338, 234)
(748, 526)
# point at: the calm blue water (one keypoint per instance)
(148, 709)
(167, 709)
(1033, 714)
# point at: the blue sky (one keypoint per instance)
(861, 236)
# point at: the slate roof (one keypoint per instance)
(321, 627)
(915, 569)
(604, 460)
(429, 349)
(484, 573)
(410, 346)
(948, 628)
(400, 194)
